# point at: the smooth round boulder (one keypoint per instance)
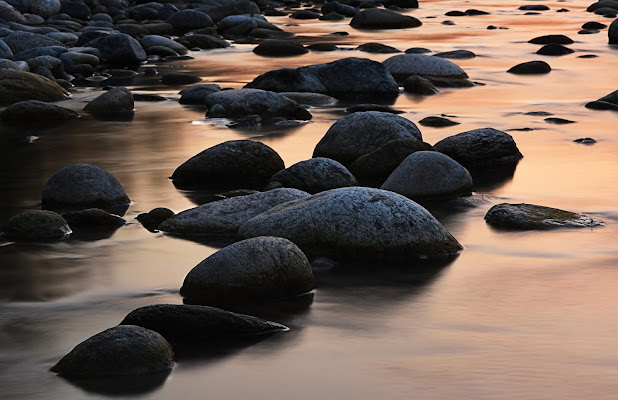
(16, 86)
(20, 41)
(363, 132)
(224, 217)
(117, 102)
(437, 122)
(356, 223)
(9, 13)
(279, 48)
(36, 225)
(5, 51)
(30, 111)
(82, 186)
(254, 270)
(230, 164)
(554, 49)
(402, 66)
(313, 176)
(377, 48)
(157, 40)
(119, 49)
(547, 39)
(456, 54)
(197, 94)
(378, 18)
(189, 20)
(612, 32)
(429, 175)
(93, 218)
(416, 84)
(339, 8)
(152, 219)
(118, 351)
(480, 148)
(530, 67)
(235, 26)
(530, 216)
(45, 8)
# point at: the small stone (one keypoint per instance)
(93, 217)
(587, 140)
(437, 122)
(559, 121)
(530, 67)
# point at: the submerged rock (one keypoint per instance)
(313, 176)
(531, 67)
(36, 225)
(16, 86)
(253, 270)
(530, 216)
(404, 65)
(240, 103)
(377, 18)
(416, 84)
(117, 102)
(280, 48)
(93, 217)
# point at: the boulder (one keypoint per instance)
(45, 8)
(480, 148)
(233, 163)
(29, 111)
(156, 40)
(305, 14)
(197, 94)
(456, 54)
(119, 48)
(121, 350)
(5, 51)
(16, 86)
(402, 66)
(554, 49)
(189, 20)
(437, 122)
(37, 225)
(356, 223)
(313, 176)
(179, 78)
(82, 186)
(279, 48)
(116, 102)
(224, 217)
(377, 48)
(93, 218)
(530, 67)
(377, 18)
(20, 41)
(152, 219)
(236, 26)
(8, 13)
(189, 323)
(429, 175)
(233, 8)
(361, 133)
(529, 216)
(339, 8)
(547, 39)
(612, 32)
(8, 64)
(416, 84)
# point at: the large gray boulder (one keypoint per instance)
(356, 223)
(226, 216)
(117, 102)
(119, 49)
(232, 163)
(313, 176)
(243, 102)
(82, 186)
(20, 41)
(378, 18)
(253, 270)
(25, 112)
(45, 8)
(481, 148)
(429, 175)
(402, 66)
(121, 350)
(363, 132)
(529, 216)
(182, 323)
(16, 86)
(36, 225)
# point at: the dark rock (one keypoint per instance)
(20, 41)
(189, 20)
(279, 48)
(235, 193)
(593, 25)
(417, 50)
(5, 51)
(473, 11)
(372, 107)
(429, 175)
(534, 7)
(156, 40)
(448, 22)
(8, 64)
(152, 219)
(224, 217)
(332, 16)
(313, 176)
(603, 4)
(530, 216)
(197, 94)
(178, 78)
(547, 39)
(311, 99)
(204, 41)
(8, 13)
(53, 64)
(16, 86)
(416, 84)
(93, 217)
(455, 13)
(37, 225)
(377, 48)
(602, 105)
(148, 97)
(586, 140)
(612, 32)
(559, 121)
(607, 12)
(456, 54)
(361, 133)
(356, 224)
(339, 8)
(588, 32)
(404, 65)
(375, 18)
(233, 8)
(236, 26)
(30, 111)
(530, 67)
(305, 14)
(119, 48)
(554, 49)
(121, 350)
(114, 103)
(76, 9)
(437, 122)
(232, 163)
(260, 33)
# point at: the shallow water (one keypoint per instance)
(518, 315)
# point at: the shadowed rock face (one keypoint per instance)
(16, 86)
(530, 216)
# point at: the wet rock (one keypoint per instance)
(121, 350)
(607, 12)
(404, 65)
(203, 41)
(587, 140)
(322, 47)
(608, 102)
(197, 94)
(233, 163)
(376, 18)
(116, 102)
(437, 122)
(240, 103)
(8, 13)
(603, 4)
(313, 176)
(33, 110)
(36, 225)
(547, 39)
(224, 217)
(152, 219)
(456, 54)
(93, 217)
(473, 11)
(305, 14)
(157, 40)
(529, 216)
(16, 86)
(455, 13)
(429, 175)
(480, 148)
(233, 8)
(189, 20)
(554, 49)
(119, 48)
(416, 84)
(236, 26)
(534, 7)
(530, 67)
(372, 107)
(559, 121)
(82, 186)
(339, 8)
(279, 48)
(356, 224)
(361, 133)
(45, 8)
(21, 41)
(417, 50)
(377, 48)
(182, 323)
(613, 32)
(311, 99)
(593, 25)
(179, 78)
(253, 270)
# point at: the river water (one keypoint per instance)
(518, 315)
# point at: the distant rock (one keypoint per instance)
(36, 111)
(16, 86)
(189, 20)
(404, 65)
(530, 67)
(339, 8)
(197, 94)
(608, 102)
(558, 121)
(120, 49)
(305, 14)
(456, 54)
(377, 48)
(37, 225)
(236, 26)
(530, 216)
(587, 140)
(313, 176)
(279, 48)
(377, 18)
(547, 39)
(554, 49)
(437, 122)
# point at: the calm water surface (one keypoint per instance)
(518, 315)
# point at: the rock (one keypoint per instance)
(54, 51)
(37, 225)
(36, 111)
(233, 163)
(530, 67)
(244, 102)
(236, 26)
(554, 49)
(603, 4)
(339, 8)
(534, 7)
(455, 13)
(51, 63)
(361, 133)
(21, 41)
(178, 78)
(558, 121)
(155, 217)
(8, 13)
(204, 41)
(82, 186)
(425, 175)
(16, 86)
(224, 217)
(593, 25)
(529, 216)
(121, 350)
(437, 122)
(376, 18)
(587, 140)
(602, 105)
(5, 51)
(119, 48)
(313, 176)
(417, 50)
(381, 162)
(547, 39)
(356, 224)
(372, 107)
(93, 217)
(76, 9)
(404, 65)
(253, 270)
(279, 48)
(480, 148)
(377, 48)
(189, 20)
(116, 102)
(416, 84)
(197, 94)
(233, 8)
(322, 47)
(189, 323)
(607, 12)
(8, 64)
(612, 32)
(456, 54)
(45, 8)
(473, 11)
(348, 78)
(157, 40)
(310, 99)
(305, 14)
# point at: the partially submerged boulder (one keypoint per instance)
(16, 86)
(36, 225)
(313, 176)
(93, 218)
(378, 18)
(119, 49)
(152, 219)
(402, 66)
(31, 111)
(117, 102)
(530, 216)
